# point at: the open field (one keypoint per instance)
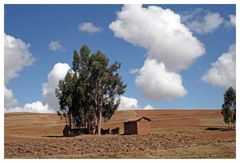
(174, 134)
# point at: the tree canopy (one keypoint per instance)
(229, 106)
(90, 90)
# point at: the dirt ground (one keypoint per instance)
(174, 134)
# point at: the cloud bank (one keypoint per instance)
(36, 107)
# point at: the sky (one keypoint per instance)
(173, 56)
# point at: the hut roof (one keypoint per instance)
(139, 118)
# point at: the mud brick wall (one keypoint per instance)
(143, 127)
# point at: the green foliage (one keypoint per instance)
(76, 61)
(65, 92)
(105, 85)
(90, 91)
(229, 106)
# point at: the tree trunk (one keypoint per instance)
(70, 121)
(88, 127)
(70, 124)
(99, 122)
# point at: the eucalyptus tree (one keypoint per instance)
(91, 89)
(106, 84)
(229, 106)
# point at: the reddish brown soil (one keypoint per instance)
(174, 134)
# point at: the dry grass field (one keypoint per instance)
(174, 134)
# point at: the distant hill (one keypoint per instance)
(45, 124)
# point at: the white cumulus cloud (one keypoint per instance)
(50, 101)
(157, 83)
(148, 107)
(231, 22)
(57, 73)
(37, 107)
(16, 57)
(161, 32)
(170, 45)
(223, 71)
(9, 99)
(203, 22)
(128, 103)
(55, 46)
(88, 27)
(232, 19)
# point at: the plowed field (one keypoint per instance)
(174, 134)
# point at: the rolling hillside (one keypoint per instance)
(174, 134)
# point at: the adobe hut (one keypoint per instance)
(140, 126)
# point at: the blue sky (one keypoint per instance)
(39, 25)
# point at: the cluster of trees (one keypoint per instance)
(90, 90)
(229, 107)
